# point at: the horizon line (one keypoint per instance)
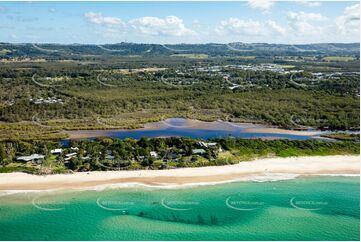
(208, 43)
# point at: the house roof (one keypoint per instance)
(198, 151)
(109, 157)
(31, 157)
(56, 151)
(71, 154)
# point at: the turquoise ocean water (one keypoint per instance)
(318, 208)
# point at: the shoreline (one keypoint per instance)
(269, 169)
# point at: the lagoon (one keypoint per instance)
(180, 127)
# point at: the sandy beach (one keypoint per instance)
(281, 131)
(257, 170)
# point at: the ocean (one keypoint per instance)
(307, 208)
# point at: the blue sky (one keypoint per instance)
(291, 22)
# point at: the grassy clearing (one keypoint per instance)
(339, 58)
(287, 66)
(4, 52)
(246, 57)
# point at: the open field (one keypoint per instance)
(339, 58)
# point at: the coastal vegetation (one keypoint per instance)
(29, 131)
(127, 108)
(154, 153)
(342, 136)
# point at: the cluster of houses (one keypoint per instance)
(20, 59)
(317, 77)
(335, 75)
(267, 67)
(260, 67)
(250, 67)
(38, 159)
(234, 81)
(223, 70)
(202, 149)
(49, 100)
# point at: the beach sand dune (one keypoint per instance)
(258, 170)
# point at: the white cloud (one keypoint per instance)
(276, 28)
(239, 26)
(349, 22)
(304, 23)
(153, 26)
(310, 3)
(169, 26)
(250, 27)
(98, 18)
(263, 5)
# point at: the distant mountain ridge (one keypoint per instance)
(211, 49)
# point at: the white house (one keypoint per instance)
(154, 154)
(56, 151)
(71, 154)
(33, 158)
(206, 145)
(198, 151)
(211, 144)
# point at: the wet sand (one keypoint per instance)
(282, 131)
